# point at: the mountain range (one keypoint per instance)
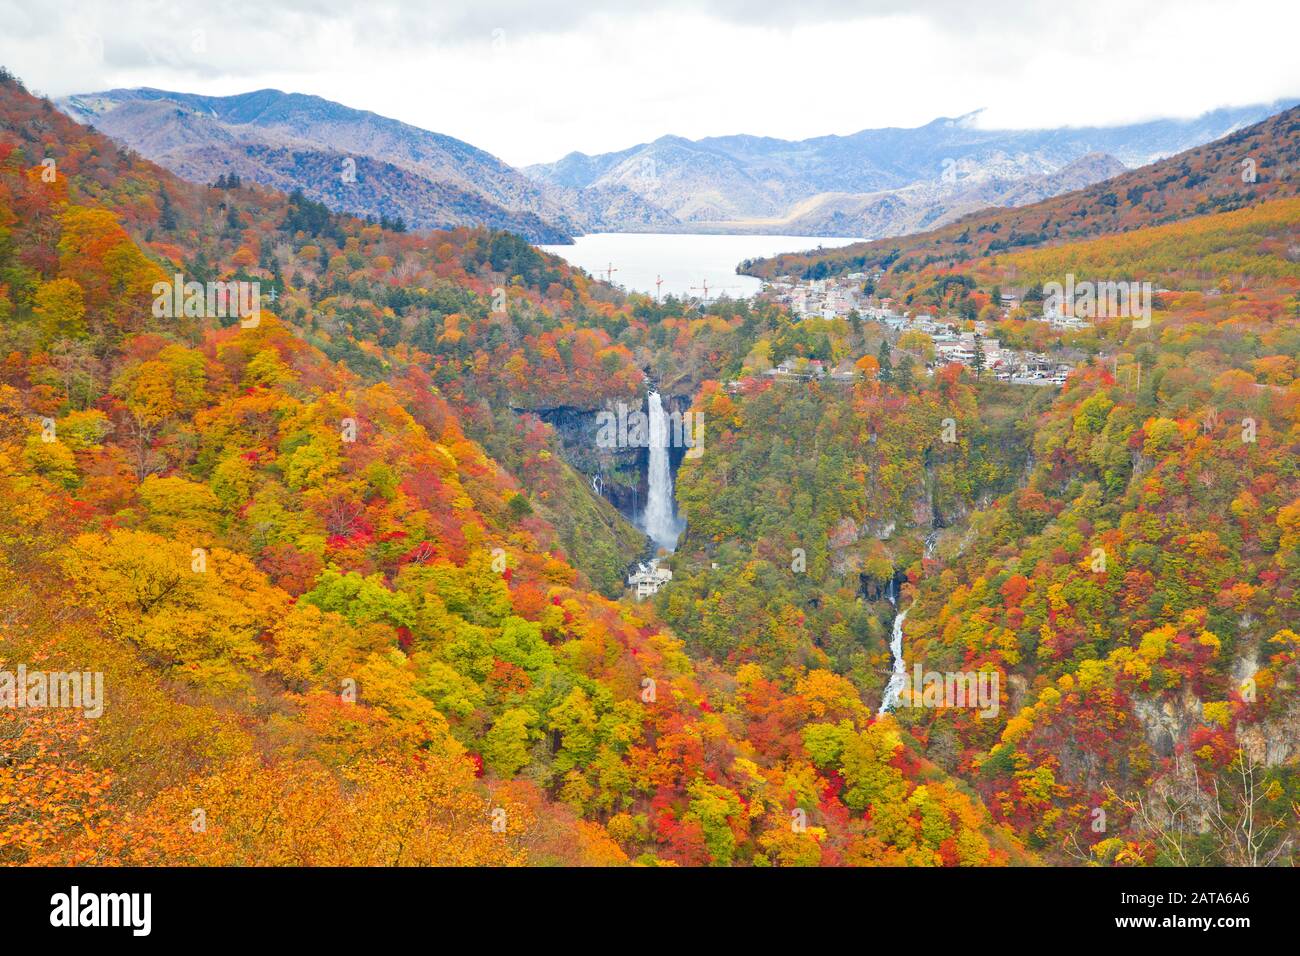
(352, 160)
(881, 182)
(1210, 178)
(874, 183)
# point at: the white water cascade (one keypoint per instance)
(659, 520)
(898, 679)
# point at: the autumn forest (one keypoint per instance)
(352, 570)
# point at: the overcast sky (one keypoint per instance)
(531, 80)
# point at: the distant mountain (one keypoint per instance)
(352, 160)
(1205, 179)
(928, 204)
(879, 182)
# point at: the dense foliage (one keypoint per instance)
(332, 629)
(352, 605)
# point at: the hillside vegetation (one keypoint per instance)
(352, 605)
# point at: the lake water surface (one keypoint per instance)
(683, 261)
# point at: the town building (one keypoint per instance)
(648, 579)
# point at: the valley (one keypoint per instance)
(449, 553)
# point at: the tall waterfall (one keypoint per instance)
(659, 520)
(898, 679)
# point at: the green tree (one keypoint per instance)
(906, 377)
(505, 746)
(886, 366)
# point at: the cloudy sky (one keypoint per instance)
(531, 80)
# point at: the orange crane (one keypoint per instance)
(609, 273)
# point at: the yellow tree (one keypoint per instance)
(60, 308)
(198, 611)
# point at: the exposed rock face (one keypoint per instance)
(1169, 722)
(1017, 689)
(618, 474)
(922, 512)
(1272, 742)
(843, 534)
(844, 558)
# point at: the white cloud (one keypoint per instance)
(533, 80)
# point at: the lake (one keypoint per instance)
(683, 261)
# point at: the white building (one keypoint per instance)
(648, 579)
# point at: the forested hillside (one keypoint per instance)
(332, 629)
(1142, 584)
(355, 602)
(1137, 587)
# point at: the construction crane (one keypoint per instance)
(609, 273)
(659, 280)
(704, 287)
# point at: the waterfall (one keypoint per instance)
(659, 520)
(931, 540)
(898, 679)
